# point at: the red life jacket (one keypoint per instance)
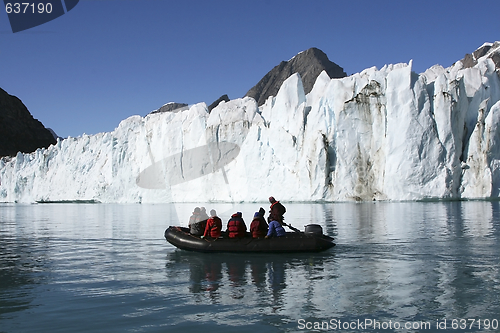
(258, 227)
(236, 227)
(213, 228)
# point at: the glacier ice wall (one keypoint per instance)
(387, 134)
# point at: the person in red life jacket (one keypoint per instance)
(214, 226)
(236, 227)
(277, 211)
(259, 227)
(275, 230)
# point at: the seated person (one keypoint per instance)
(236, 227)
(195, 226)
(259, 226)
(203, 214)
(214, 226)
(277, 210)
(275, 230)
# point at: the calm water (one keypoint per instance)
(107, 268)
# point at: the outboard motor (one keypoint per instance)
(314, 229)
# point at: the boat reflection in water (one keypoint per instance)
(255, 276)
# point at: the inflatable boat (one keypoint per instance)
(311, 240)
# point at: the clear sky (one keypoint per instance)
(106, 60)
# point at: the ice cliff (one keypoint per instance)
(388, 134)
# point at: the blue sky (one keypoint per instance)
(106, 60)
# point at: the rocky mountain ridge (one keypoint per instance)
(20, 131)
(308, 64)
(490, 50)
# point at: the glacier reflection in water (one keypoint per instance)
(107, 268)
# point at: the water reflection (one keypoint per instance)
(22, 262)
(67, 266)
(21, 269)
(410, 260)
(226, 275)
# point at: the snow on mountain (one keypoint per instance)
(388, 134)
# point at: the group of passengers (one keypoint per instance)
(200, 224)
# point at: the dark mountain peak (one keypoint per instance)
(313, 52)
(20, 131)
(309, 64)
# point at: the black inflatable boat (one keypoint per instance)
(312, 240)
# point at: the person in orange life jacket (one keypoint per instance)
(275, 230)
(195, 227)
(214, 226)
(259, 227)
(236, 227)
(277, 210)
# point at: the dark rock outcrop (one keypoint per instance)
(309, 64)
(224, 98)
(172, 107)
(490, 50)
(19, 131)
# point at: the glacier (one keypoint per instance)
(381, 134)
